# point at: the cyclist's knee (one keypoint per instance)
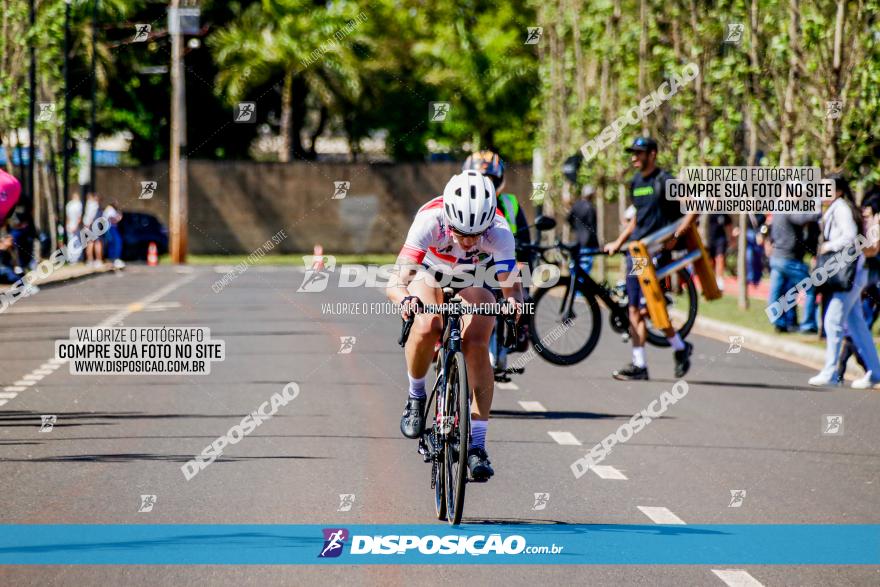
(427, 326)
(479, 345)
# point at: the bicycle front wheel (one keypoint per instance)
(456, 441)
(565, 327)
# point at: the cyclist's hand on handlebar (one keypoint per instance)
(409, 306)
(516, 306)
(611, 248)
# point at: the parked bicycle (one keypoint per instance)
(444, 444)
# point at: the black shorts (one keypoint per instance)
(718, 246)
(633, 289)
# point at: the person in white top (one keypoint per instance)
(462, 230)
(73, 212)
(112, 238)
(95, 248)
(841, 224)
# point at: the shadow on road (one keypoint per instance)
(132, 457)
(558, 415)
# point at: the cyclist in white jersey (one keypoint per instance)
(460, 231)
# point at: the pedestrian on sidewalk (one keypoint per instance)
(95, 248)
(582, 219)
(841, 223)
(871, 294)
(112, 238)
(789, 235)
(720, 227)
(73, 212)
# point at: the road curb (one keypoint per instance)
(67, 274)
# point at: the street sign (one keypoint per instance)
(186, 18)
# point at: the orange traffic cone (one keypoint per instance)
(318, 252)
(152, 255)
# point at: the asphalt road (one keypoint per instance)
(749, 422)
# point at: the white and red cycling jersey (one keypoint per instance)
(430, 242)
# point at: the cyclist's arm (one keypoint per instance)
(414, 249)
(685, 224)
(404, 272)
(614, 246)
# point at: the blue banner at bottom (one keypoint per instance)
(567, 544)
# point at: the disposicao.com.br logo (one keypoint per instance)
(450, 544)
(321, 269)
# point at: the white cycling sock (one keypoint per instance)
(676, 342)
(639, 359)
(478, 433)
(416, 387)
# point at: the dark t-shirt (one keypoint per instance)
(653, 210)
(582, 219)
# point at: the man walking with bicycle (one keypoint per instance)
(653, 212)
(464, 232)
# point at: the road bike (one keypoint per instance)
(567, 319)
(444, 443)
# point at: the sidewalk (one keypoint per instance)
(67, 273)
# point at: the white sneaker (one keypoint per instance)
(720, 282)
(118, 263)
(822, 381)
(865, 382)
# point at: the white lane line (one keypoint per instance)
(532, 406)
(564, 438)
(660, 515)
(507, 385)
(608, 472)
(32, 376)
(14, 388)
(8, 395)
(737, 578)
(145, 301)
(3, 401)
(24, 383)
(43, 372)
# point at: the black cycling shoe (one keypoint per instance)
(631, 373)
(683, 360)
(479, 464)
(412, 421)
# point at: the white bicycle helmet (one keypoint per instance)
(469, 202)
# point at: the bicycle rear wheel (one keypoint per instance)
(681, 303)
(563, 331)
(456, 441)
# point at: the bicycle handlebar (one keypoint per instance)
(406, 325)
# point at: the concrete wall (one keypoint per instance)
(234, 207)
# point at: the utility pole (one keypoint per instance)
(29, 181)
(177, 172)
(93, 126)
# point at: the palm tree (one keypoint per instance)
(303, 41)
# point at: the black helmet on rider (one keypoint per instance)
(488, 163)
